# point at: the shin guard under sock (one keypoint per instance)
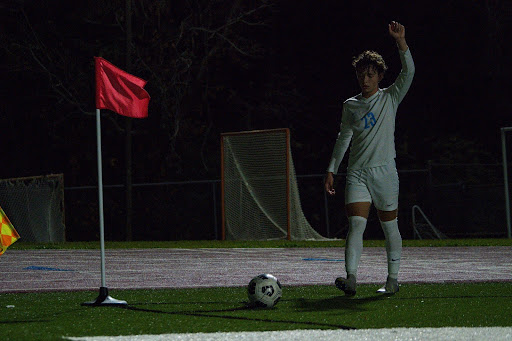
(393, 246)
(354, 243)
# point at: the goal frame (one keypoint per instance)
(286, 131)
(56, 234)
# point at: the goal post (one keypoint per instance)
(260, 197)
(504, 130)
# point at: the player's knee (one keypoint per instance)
(387, 215)
(361, 209)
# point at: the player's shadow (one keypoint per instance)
(217, 313)
(337, 303)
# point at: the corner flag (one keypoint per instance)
(8, 234)
(124, 94)
(119, 91)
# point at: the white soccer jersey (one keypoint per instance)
(370, 123)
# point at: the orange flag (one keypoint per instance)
(8, 234)
(119, 91)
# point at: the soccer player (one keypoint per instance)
(368, 124)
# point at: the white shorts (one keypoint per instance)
(377, 184)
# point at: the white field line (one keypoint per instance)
(402, 334)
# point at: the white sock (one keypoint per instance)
(393, 246)
(354, 244)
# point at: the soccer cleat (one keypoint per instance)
(390, 288)
(347, 285)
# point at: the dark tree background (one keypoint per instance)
(218, 66)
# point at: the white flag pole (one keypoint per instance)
(100, 196)
(103, 298)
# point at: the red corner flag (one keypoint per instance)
(119, 91)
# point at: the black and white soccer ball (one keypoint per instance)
(264, 291)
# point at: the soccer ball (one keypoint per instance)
(264, 291)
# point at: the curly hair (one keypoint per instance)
(370, 58)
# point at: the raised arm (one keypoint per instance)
(404, 79)
(397, 31)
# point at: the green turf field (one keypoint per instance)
(50, 316)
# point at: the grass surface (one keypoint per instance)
(50, 316)
(192, 244)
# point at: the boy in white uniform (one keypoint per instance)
(368, 120)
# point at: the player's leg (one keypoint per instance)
(358, 202)
(384, 189)
(389, 223)
(357, 218)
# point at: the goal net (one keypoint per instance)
(260, 196)
(35, 206)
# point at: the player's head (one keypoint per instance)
(370, 68)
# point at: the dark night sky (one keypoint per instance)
(458, 91)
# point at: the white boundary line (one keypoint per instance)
(402, 334)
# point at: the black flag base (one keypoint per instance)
(104, 299)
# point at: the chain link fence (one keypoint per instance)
(461, 200)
